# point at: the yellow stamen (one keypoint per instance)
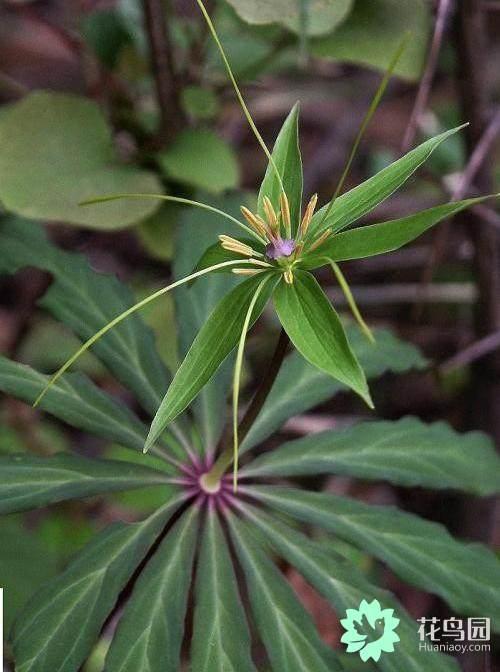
(288, 275)
(256, 222)
(304, 225)
(264, 264)
(285, 212)
(247, 271)
(271, 215)
(237, 246)
(319, 241)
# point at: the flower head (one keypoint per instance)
(280, 248)
(274, 227)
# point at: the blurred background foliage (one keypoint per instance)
(103, 96)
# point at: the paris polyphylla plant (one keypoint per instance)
(142, 574)
(282, 248)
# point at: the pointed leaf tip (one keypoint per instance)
(287, 159)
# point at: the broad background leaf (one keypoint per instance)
(344, 586)
(85, 301)
(201, 159)
(407, 452)
(58, 627)
(422, 553)
(20, 576)
(301, 386)
(150, 632)
(57, 151)
(324, 15)
(287, 630)
(372, 32)
(221, 639)
(27, 482)
(200, 102)
(77, 401)
(105, 32)
(156, 233)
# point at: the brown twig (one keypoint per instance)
(472, 50)
(471, 353)
(197, 51)
(488, 215)
(477, 159)
(484, 389)
(424, 89)
(407, 292)
(168, 88)
(12, 86)
(67, 38)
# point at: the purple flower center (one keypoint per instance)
(280, 248)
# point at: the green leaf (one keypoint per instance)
(216, 339)
(145, 500)
(27, 482)
(150, 632)
(60, 624)
(286, 156)
(57, 150)
(316, 331)
(371, 33)
(344, 586)
(367, 241)
(221, 640)
(195, 232)
(86, 301)
(200, 103)
(77, 401)
(420, 552)
(156, 233)
(199, 158)
(301, 386)
(366, 196)
(407, 452)
(107, 35)
(287, 630)
(20, 575)
(324, 16)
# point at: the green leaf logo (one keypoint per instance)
(370, 630)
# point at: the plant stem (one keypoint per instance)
(167, 84)
(225, 459)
